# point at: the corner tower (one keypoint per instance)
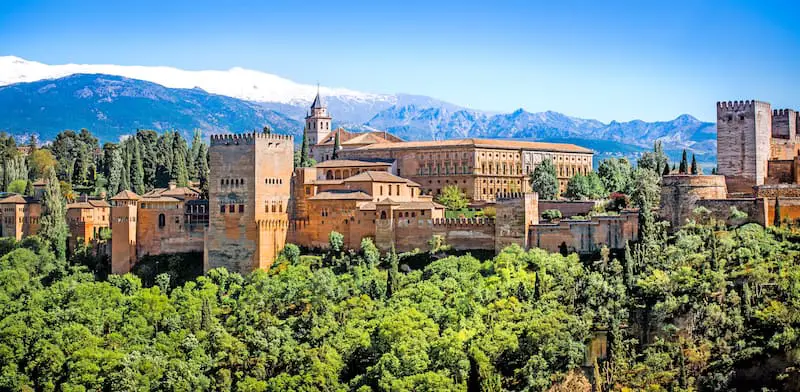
(744, 129)
(124, 211)
(248, 196)
(318, 122)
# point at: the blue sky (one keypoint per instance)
(595, 59)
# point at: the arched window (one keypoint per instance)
(162, 220)
(383, 214)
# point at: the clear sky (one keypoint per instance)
(608, 60)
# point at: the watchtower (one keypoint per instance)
(744, 130)
(248, 191)
(515, 213)
(124, 211)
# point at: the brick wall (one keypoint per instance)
(568, 208)
(680, 194)
(755, 208)
(744, 129)
(586, 236)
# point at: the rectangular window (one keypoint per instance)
(241, 208)
(222, 209)
(231, 208)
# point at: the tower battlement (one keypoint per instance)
(736, 105)
(509, 196)
(247, 138)
(782, 113)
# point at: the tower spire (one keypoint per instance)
(317, 104)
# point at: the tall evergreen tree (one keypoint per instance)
(337, 145)
(115, 172)
(197, 142)
(137, 169)
(29, 188)
(776, 219)
(392, 275)
(304, 152)
(695, 171)
(125, 179)
(684, 167)
(544, 180)
(53, 220)
(201, 166)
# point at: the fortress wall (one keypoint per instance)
(744, 131)
(780, 172)
(755, 208)
(568, 208)
(680, 194)
(586, 236)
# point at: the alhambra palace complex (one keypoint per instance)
(383, 188)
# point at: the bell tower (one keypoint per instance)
(318, 122)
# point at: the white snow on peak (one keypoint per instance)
(236, 82)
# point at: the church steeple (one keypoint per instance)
(318, 122)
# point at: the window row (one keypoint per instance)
(231, 181)
(273, 181)
(231, 208)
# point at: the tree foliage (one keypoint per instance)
(544, 180)
(453, 198)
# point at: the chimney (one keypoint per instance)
(172, 185)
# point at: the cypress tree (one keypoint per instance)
(713, 170)
(29, 188)
(337, 145)
(776, 219)
(137, 169)
(267, 130)
(666, 170)
(304, 151)
(115, 168)
(201, 165)
(695, 171)
(391, 277)
(197, 141)
(125, 178)
(53, 219)
(684, 168)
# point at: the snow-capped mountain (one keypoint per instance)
(113, 100)
(236, 82)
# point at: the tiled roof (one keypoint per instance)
(418, 205)
(358, 138)
(98, 203)
(351, 163)
(317, 104)
(341, 195)
(126, 195)
(379, 176)
(486, 143)
(81, 204)
(178, 192)
(18, 199)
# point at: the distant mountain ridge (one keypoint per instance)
(111, 101)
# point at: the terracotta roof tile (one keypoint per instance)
(485, 143)
(126, 195)
(379, 176)
(341, 195)
(18, 199)
(351, 163)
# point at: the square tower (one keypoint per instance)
(124, 213)
(318, 122)
(248, 195)
(744, 129)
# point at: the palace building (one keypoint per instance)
(378, 187)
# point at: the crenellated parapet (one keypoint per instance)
(509, 196)
(248, 138)
(783, 113)
(267, 224)
(736, 105)
(462, 222)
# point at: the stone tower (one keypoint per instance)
(744, 129)
(248, 195)
(318, 122)
(124, 211)
(515, 213)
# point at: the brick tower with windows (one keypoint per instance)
(248, 193)
(124, 213)
(318, 122)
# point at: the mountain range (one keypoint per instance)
(113, 101)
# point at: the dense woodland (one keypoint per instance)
(139, 163)
(711, 307)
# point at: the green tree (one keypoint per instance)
(695, 171)
(17, 186)
(544, 180)
(776, 218)
(452, 198)
(136, 168)
(615, 173)
(684, 165)
(53, 221)
(645, 188)
(337, 145)
(39, 161)
(29, 191)
(585, 187)
(305, 159)
(116, 168)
